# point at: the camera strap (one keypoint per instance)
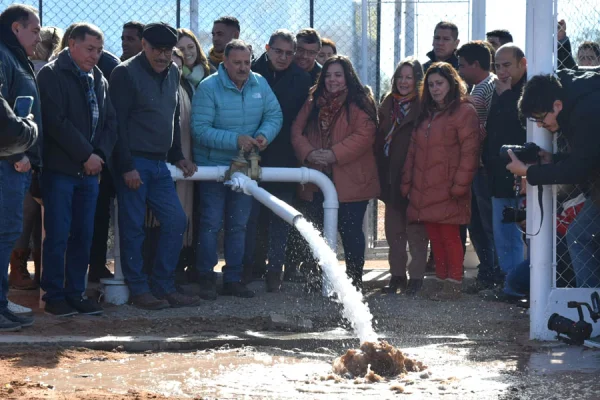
(541, 204)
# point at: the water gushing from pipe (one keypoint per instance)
(354, 309)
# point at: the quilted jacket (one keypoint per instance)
(221, 112)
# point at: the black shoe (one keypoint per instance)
(413, 287)
(236, 289)
(85, 306)
(273, 281)
(207, 290)
(477, 286)
(147, 301)
(6, 325)
(396, 282)
(499, 295)
(177, 300)
(21, 320)
(59, 308)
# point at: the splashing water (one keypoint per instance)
(355, 310)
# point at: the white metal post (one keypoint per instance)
(194, 16)
(541, 49)
(364, 44)
(409, 30)
(478, 11)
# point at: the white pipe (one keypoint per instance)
(194, 16)
(478, 19)
(541, 36)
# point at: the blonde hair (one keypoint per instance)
(51, 38)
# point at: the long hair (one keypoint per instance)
(417, 70)
(360, 95)
(456, 94)
(51, 38)
(200, 56)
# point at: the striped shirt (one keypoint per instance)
(481, 97)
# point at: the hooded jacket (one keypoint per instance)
(17, 78)
(453, 60)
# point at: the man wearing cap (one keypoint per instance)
(144, 93)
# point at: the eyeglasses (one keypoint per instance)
(280, 52)
(166, 51)
(536, 120)
(302, 51)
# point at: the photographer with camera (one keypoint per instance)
(504, 126)
(569, 103)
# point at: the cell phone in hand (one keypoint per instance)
(23, 105)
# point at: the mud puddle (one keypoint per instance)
(268, 373)
(557, 360)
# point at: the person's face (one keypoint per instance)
(335, 80)
(325, 53)
(549, 120)
(131, 43)
(438, 87)
(306, 54)
(28, 34)
(281, 54)
(405, 81)
(188, 48)
(468, 71)
(237, 64)
(159, 57)
(588, 58)
(507, 66)
(494, 41)
(86, 53)
(444, 44)
(221, 35)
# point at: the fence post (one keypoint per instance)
(398, 42)
(409, 29)
(364, 43)
(478, 9)
(194, 16)
(541, 48)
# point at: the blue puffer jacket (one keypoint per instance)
(221, 112)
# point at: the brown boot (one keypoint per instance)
(19, 277)
(37, 261)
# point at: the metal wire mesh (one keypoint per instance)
(578, 222)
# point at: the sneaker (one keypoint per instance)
(178, 300)
(21, 320)
(59, 308)
(413, 287)
(85, 306)
(207, 290)
(236, 289)
(273, 281)
(19, 310)
(396, 282)
(146, 301)
(6, 325)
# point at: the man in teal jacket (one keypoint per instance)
(232, 109)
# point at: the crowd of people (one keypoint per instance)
(102, 127)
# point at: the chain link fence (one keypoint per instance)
(578, 224)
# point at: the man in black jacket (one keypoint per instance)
(291, 85)
(80, 127)
(445, 42)
(504, 126)
(570, 104)
(144, 90)
(16, 134)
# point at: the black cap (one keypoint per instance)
(160, 34)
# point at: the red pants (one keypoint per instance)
(447, 250)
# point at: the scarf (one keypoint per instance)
(329, 106)
(87, 81)
(400, 109)
(193, 76)
(215, 58)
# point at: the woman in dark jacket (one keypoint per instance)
(397, 115)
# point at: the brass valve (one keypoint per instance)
(248, 166)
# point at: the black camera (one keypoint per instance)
(576, 332)
(512, 215)
(528, 153)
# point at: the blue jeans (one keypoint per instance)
(278, 233)
(350, 223)
(158, 193)
(218, 203)
(507, 237)
(13, 186)
(69, 207)
(584, 246)
(481, 228)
